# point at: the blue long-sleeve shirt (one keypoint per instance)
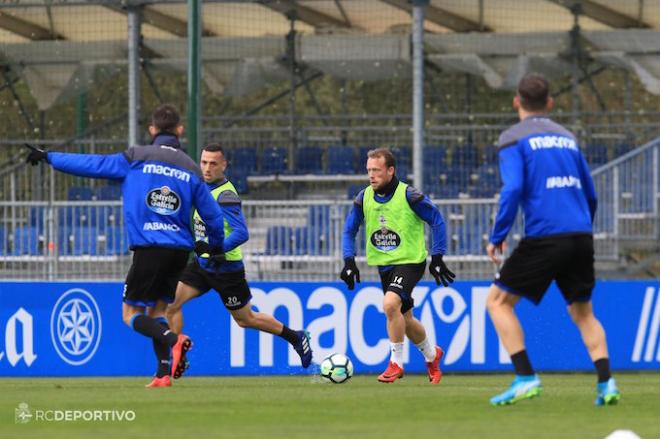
(160, 185)
(230, 205)
(419, 203)
(543, 169)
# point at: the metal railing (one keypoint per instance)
(301, 240)
(628, 217)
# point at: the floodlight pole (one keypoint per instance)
(194, 127)
(134, 25)
(418, 92)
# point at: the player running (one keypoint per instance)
(227, 277)
(542, 169)
(393, 215)
(160, 185)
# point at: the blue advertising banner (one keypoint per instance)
(75, 329)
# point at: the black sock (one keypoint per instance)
(162, 352)
(521, 363)
(289, 335)
(151, 328)
(603, 369)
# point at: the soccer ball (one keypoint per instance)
(337, 368)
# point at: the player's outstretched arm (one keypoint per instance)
(111, 166)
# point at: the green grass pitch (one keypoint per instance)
(304, 407)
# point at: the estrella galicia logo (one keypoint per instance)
(163, 200)
(385, 239)
(200, 229)
(75, 326)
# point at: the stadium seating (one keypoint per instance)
(80, 193)
(621, 149)
(596, 155)
(341, 160)
(318, 229)
(26, 241)
(108, 192)
(84, 241)
(362, 158)
(278, 240)
(274, 160)
(309, 160)
(464, 157)
(3, 241)
(353, 190)
(238, 176)
(115, 241)
(37, 217)
(489, 154)
(244, 158)
(403, 156)
(300, 241)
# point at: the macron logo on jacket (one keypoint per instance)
(541, 142)
(166, 171)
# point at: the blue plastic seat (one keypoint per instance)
(4, 250)
(318, 225)
(84, 241)
(36, 217)
(115, 241)
(354, 190)
(278, 241)
(309, 160)
(300, 241)
(108, 192)
(596, 154)
(434, 156)
(465, 156)
(26, 241)
(274, 160)
(80, 193)
(621, 149)
(244, 158)
(341, 160)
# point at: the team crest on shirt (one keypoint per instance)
(163, 200)
(385, 239)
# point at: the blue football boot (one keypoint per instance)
(523, 387)
(303, 348)
(608, 393)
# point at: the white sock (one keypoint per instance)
(397, 353)
(427, 350)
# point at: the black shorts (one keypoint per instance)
(232, 287)
(536, 262)
(153, 275)
(401, 279)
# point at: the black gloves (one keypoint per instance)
(350, 273)
(216, 256)
(440, 272)
(36, 155)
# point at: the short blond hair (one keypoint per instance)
(385, 153)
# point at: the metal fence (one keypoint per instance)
(628, 218)
(301, 239)
(459, 150)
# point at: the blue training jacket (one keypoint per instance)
(543, 169)
(160, 185)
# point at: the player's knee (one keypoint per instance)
(172, 309)
(391, 308)
(581, 312)
(493, 302)
(243, 322)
